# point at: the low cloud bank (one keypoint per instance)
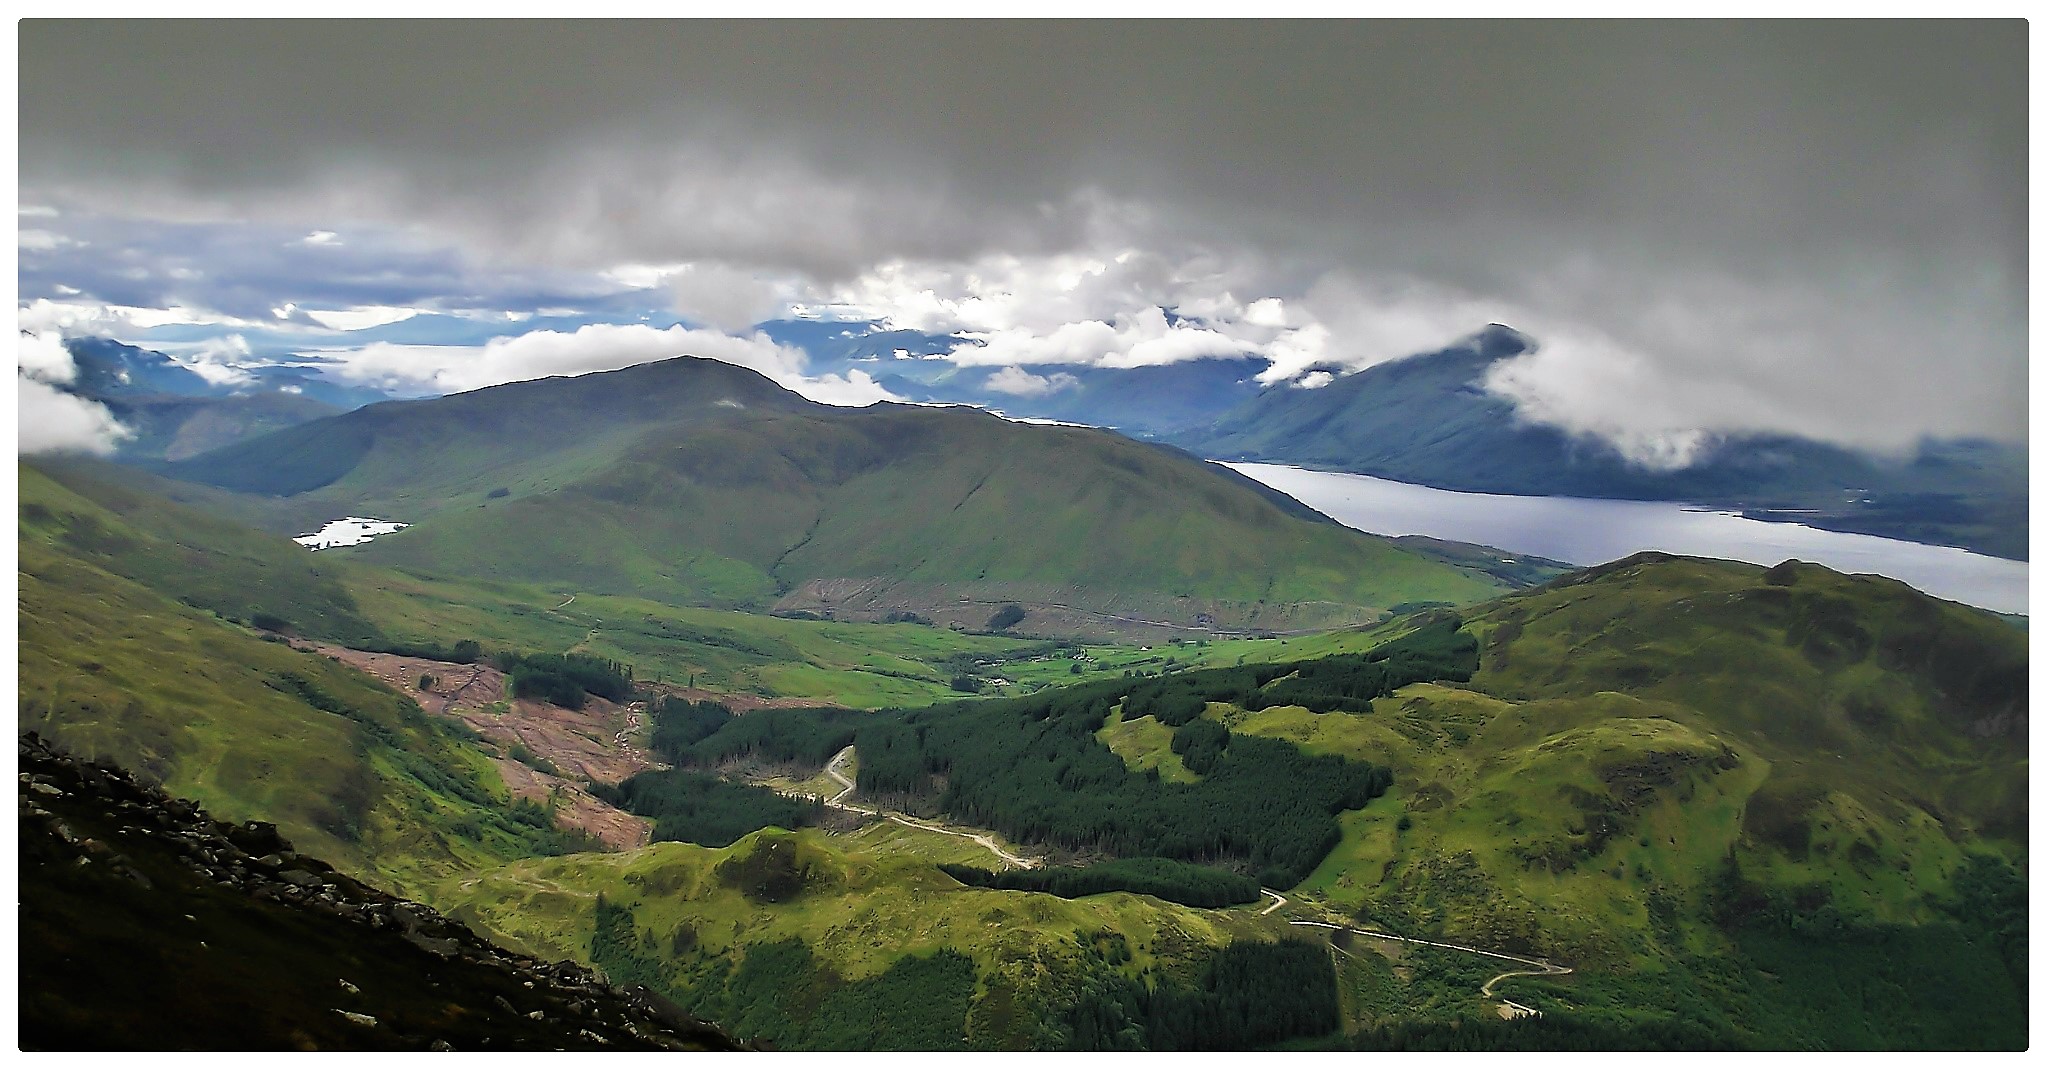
(596, 347)
(50, 419)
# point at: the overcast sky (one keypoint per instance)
(1708, 228)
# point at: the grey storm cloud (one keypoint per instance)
(1815, 227)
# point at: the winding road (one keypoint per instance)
(836, 771)
(836, 801)
(1536, 967)
(1541, 968)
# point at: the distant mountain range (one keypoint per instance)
(1426, 419)
(174, 412)
(1143, 402)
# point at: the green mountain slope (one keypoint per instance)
(174, 428)
(403, 453)
(109, 518)
(185, 542)
(808, 941)
(1687, 776)
(695, 482)
(1774, 807)
(112, 668)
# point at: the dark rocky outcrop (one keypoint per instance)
(145, 924)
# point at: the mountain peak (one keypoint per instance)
(1499, 341)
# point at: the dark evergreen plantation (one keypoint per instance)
(694, 807)
(804, 736)
(680, 724)
(1246, 995)
(1174, 881)
(564, 678)
(1346, 683)
(1031, 768)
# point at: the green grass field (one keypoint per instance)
(1145, 743)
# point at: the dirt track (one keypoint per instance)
(836, 801)
(1507, 1008)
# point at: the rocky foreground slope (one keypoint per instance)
(145, 924)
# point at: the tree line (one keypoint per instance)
(466, 651)
(1174, 881)
(1343, 683)
(565, 678)
(1031, 767)
(1245, 995)
(696, 807)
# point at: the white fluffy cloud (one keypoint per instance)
(43, 357)
(42, 240)
(721, 296)
(51, 420)
(76, 318)
(596, 347)
(726, 298)
(218, 360)
(1020, 383)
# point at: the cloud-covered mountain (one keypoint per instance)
(1432, 419)
(1725, 228)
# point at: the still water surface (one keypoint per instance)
(348, 531)
(1584, 531)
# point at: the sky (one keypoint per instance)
(1707, 228)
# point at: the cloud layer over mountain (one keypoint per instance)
(1809, 228)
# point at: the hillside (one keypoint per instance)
(174, 428)
(110, 519)
(1774, 807)
(1664, 759)
(148, 926)
(809, 941)
(1749, 807)
(1427, 419)
(186, 542)
(694, 482)
(113, 666)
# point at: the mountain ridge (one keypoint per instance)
(698, 482)
(1427, 419)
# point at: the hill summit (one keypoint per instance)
(696, 482)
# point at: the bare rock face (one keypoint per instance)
(148, 925)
